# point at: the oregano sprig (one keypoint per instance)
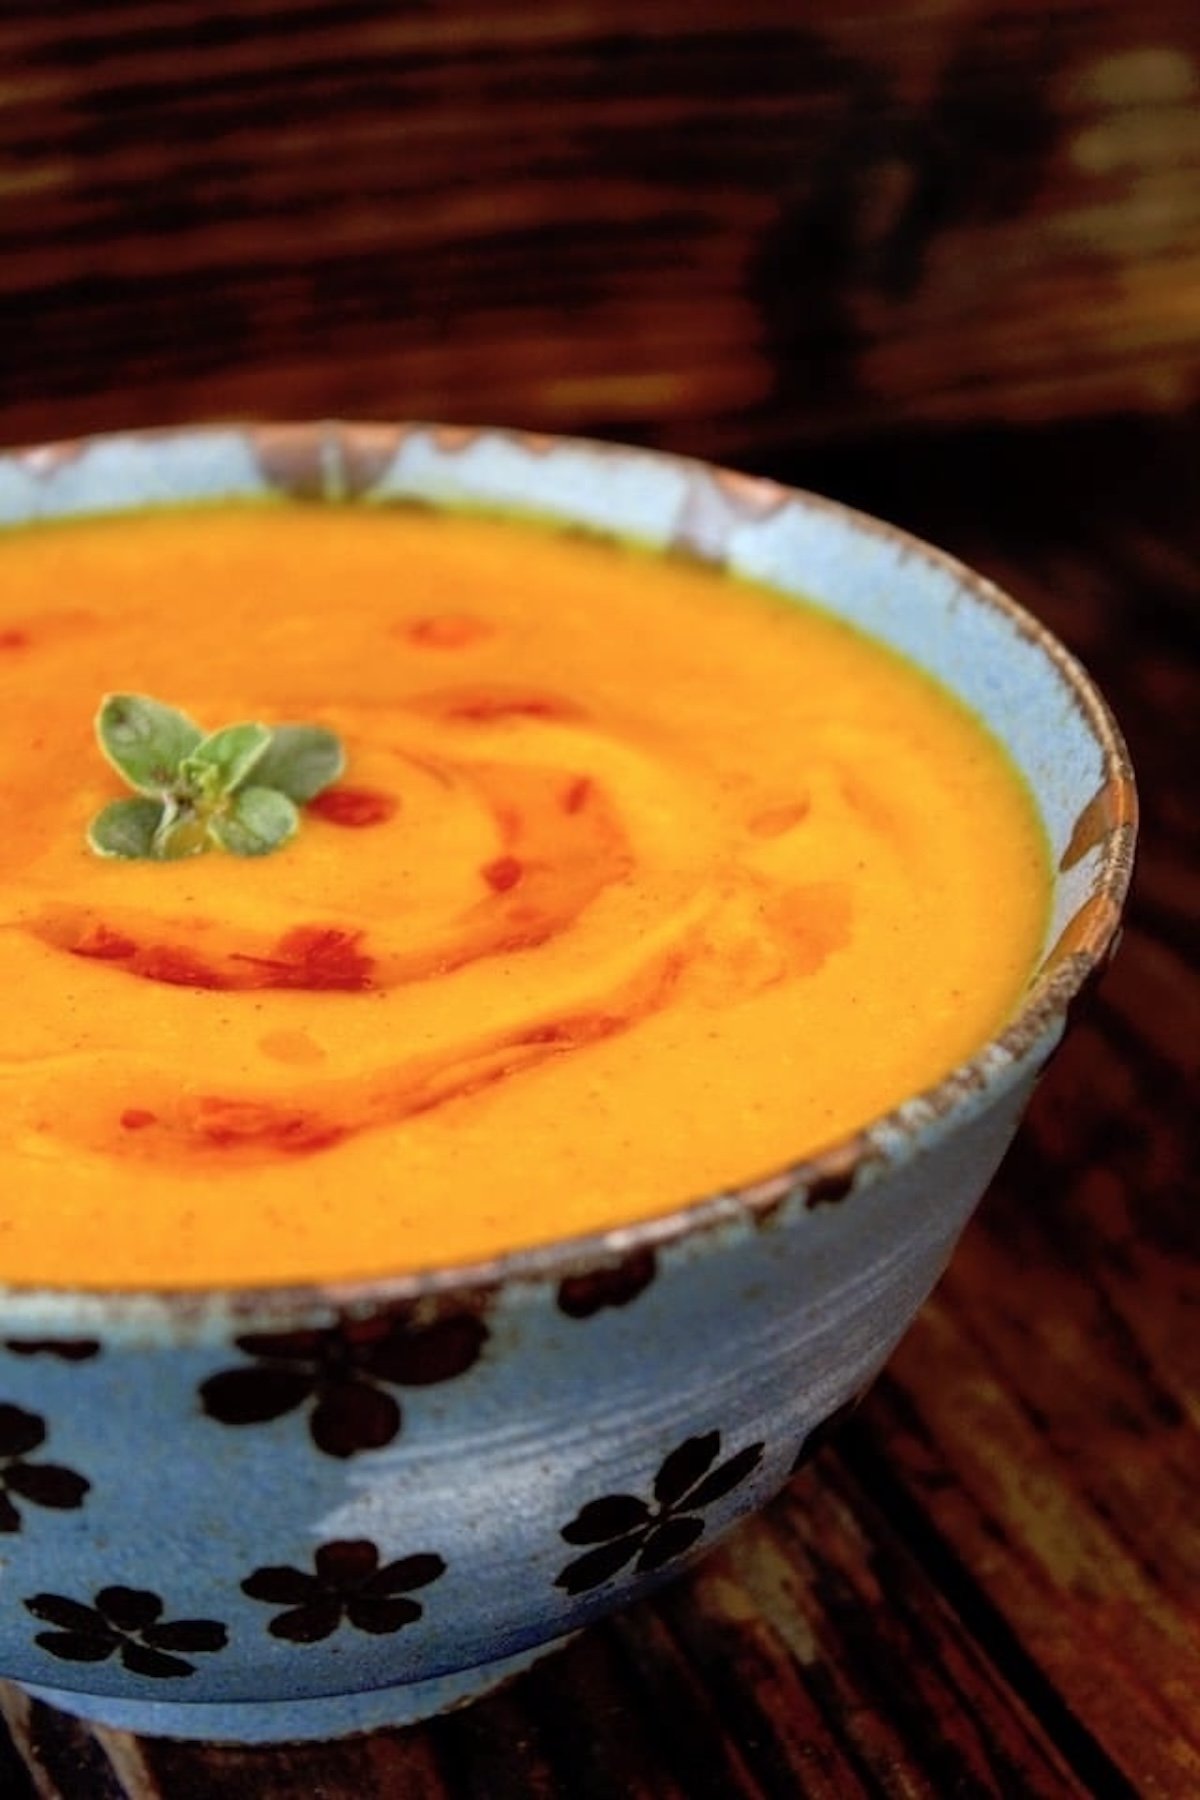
(238, 789)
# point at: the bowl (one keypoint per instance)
(276, 1513)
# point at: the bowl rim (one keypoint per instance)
(1065, 971)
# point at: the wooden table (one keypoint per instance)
(989, 1582)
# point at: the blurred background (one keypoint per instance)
(728, 226)
(937, 257)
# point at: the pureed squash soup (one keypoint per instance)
(639, 882)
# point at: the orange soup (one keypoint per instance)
(639, 882)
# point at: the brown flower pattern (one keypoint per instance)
(126, 1623)
(623, 1528)
(345, 1372)
(348, 1585)
(612, 1284)
(66, 1349)
(38, 1483)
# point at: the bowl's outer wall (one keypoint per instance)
(747, 1338)
(552, 1433)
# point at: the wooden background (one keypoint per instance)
(714, 224)
(941, 259)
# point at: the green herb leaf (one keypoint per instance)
(221, 762)
(300, 760)
(126, 828)
(194, 787)
(256, 821)
(144, 740)
(183, 831)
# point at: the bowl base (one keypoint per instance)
(317, 1719)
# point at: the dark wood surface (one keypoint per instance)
(714, 222)
(989, 1583)
(834, 244)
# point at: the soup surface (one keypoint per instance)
(639, 882)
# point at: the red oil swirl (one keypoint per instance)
(354, 808)
(228, 1130)
(558, 844)
(551, 864)
(496, 705)
(316, 958)
(446, 631)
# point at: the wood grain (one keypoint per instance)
(711, 226)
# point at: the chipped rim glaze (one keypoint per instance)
(1108, 823)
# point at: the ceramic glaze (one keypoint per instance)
(285, 1512)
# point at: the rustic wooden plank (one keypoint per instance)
(15, 1778)
(1117, 1644)
(706, 224)
(861, 1668)
(597, 1727)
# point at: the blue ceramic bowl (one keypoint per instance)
(279, 1513)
